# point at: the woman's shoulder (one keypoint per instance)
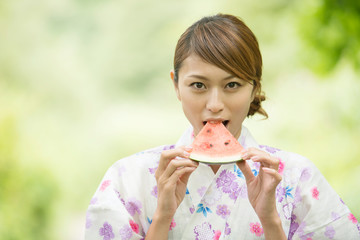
(146, 160)
(287, 156)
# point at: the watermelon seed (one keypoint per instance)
(211, 145)
(209, 131)
(227, 142)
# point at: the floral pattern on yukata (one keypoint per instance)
(214, 205)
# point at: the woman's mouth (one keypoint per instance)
(225, 122)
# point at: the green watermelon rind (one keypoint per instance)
(215, 160)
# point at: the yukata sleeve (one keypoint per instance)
(112, 215)
(318, 211)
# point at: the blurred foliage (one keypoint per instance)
(330, 31)
(27, 194)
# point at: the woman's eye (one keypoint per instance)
(198, 85)
(232, 85)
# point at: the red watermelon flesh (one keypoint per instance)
(216, 145)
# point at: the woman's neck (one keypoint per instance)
(215, 168)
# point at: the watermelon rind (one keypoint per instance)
(215, 160)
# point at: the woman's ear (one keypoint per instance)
(172, 75)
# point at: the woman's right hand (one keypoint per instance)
(172, 176)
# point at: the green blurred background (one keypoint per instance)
(86, 82)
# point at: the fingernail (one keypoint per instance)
(188, 148)
(186, 154)
(245, 155)
(255, 158)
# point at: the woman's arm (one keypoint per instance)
(171, 176)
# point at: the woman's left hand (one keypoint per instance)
(261, 188)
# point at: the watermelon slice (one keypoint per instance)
(216, 145)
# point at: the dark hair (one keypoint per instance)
(225, 41)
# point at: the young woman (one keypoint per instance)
(162, 194)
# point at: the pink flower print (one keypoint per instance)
(352, 218)
(217, 234)
(134, 226)
(106, 231)
(104, 185)
(172, 225)
(315, 193)
(223, 211)
(256, 229)
(281, 166)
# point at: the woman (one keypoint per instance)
(162, 194)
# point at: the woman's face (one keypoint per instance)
(208, 93)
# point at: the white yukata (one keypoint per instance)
(216, 205)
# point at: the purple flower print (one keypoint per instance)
(287, 209)
(126, 232)
(330, 232)
(223, 211)
(243, 190)
(293, 227)
(203, 231)
(227, 230)
(305, 175)
(168, 147)
(118, 194)
(93, 201)
(133, 206)
(307, 236)
(88, 221)
(280, 193)
(335, 216)
(121, 170)
(269, 149)
(106, 231)
(152, 170)
(226, 181)
(154, 191)
(192, 209)
(297, 197)
(235, 193)
(201, 191)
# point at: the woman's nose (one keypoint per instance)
(215, 103)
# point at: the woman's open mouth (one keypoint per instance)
(225, 122)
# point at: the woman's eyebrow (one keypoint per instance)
(205, 78)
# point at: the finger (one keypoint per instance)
(266, 160)
(177, 164)
(257, 155)
(185, 177)
(167, 155)
(173, 179)
(246, 170)
(273, 173)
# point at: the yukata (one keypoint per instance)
(216, 206)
